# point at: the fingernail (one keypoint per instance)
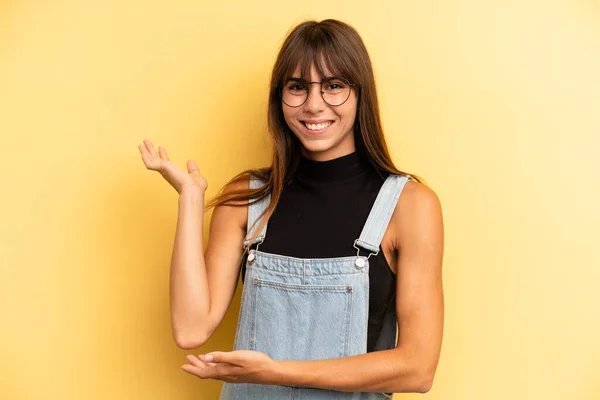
(208, 357)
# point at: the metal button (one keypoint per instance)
(349, 288)
(360, 263)
(251, 257)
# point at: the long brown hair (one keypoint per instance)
(338, 47)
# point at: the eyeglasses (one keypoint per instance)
(335, 91)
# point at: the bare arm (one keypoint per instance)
(202, 284)
(223, 256)
(410, 367)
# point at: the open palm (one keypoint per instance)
(178, 178)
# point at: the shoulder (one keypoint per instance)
(418, 213)
(416, 194)
(238, 184)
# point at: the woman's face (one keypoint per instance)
(326, 132)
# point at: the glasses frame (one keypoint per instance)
(280, 91)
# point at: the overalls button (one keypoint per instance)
(360, 263)
(255, 280)
(349, 288)
(251, 257)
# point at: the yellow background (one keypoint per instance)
(495, 103)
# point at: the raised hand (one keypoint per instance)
(178, 178)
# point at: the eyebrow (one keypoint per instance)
(329, 78)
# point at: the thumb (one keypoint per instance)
(193, 168)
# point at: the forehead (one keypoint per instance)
(313, 73)
(313, 69)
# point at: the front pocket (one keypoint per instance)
(301, 322)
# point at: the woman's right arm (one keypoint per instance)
(202, 284)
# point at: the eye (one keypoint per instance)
(336, 85)
(296, 87)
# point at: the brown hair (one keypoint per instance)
(338, 47)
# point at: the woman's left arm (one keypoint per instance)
(410, 367)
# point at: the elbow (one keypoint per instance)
(190, 333)
(420, 380)
(189, 341)
(186, 344)
(424, 381)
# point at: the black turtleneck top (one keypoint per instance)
(321, 212)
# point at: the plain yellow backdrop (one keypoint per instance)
(496, 104)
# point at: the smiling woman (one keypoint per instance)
(335, 104)
(353, 258)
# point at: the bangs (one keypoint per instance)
(317, 46)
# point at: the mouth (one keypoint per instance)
(317, 127)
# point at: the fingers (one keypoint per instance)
(150, 148)
(221, 357)
(199, 367)
(190, 369)
(206, 361)
(195, 361)
(176, 177)
(147, 149)
(163, 153)
(144, 153)
(151, 159)
(220, 372)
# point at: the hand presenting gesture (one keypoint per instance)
(178, 178)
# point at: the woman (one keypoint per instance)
(353, 252)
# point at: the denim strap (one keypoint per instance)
(381, 213)
(254, 211)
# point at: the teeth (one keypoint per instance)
(317, 127)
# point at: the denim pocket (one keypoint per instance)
(301, 322)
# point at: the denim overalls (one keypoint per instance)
(310, 309)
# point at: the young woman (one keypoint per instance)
(342, 294)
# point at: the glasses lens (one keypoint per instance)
(294, 93)
(336, 91)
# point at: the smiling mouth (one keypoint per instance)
(317, 127)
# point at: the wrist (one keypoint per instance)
(191, 194)
(281, 372)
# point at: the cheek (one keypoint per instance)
(349, 109)
(288, 115)
(348, 114)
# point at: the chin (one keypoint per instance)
(317, 147)
(331, 144)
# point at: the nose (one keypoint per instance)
(314, 103)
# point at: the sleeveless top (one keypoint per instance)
(321, 212)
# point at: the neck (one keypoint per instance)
(330, 154)
(331, 170)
